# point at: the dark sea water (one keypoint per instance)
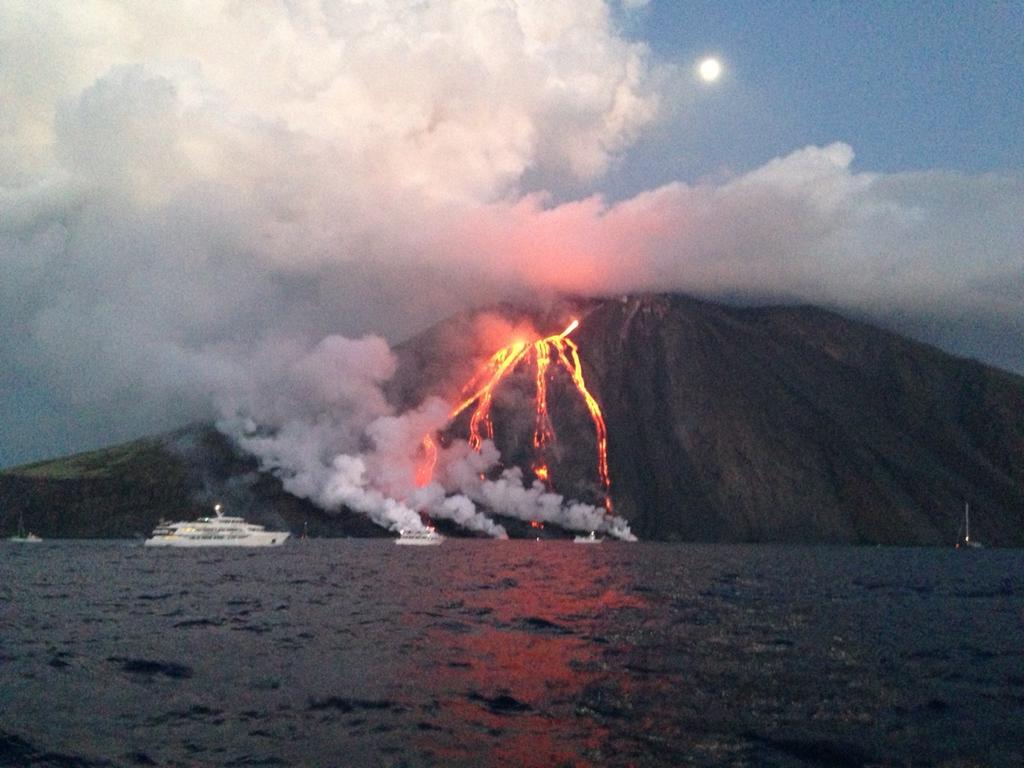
(483, 653)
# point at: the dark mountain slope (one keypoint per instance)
(122, 492)
(795, 424)
(762, 424)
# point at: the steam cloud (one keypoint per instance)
(196, 199)
(321, 423)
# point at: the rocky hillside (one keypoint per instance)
(787, 424)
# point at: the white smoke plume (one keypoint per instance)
(509, 496)
(305, 416)
(320, 422)
(463, 469)
(458, 508)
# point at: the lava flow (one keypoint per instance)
(558, 349)
(426, 468)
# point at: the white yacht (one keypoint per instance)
(591, 539)
(219, 531)
(421, 538)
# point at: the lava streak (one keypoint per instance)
(479, 394)
(425, 469)
(566, 350)
(501, 364)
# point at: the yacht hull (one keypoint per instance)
(418, 542)
(255, 539)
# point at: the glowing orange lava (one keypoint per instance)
(569, 349)
(502, 362)
(558, 349)
(425, 470)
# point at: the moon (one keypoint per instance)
(709, 69)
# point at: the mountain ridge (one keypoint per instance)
(725, 423)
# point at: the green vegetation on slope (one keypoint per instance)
(105, 462)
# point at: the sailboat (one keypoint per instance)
(23, 537)
(965, 542)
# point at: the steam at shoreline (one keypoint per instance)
(340, 445)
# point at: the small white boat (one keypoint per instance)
(23, 537)
(422, 538)
(591, 539)
(965, 542)
(219, 531)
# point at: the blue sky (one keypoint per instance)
(908, 85)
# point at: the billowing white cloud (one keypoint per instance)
(195, 195)
(181, 182)
(806, 227)
(448, 100)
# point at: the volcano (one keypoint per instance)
(722, 424)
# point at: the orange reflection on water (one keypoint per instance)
(513, 652)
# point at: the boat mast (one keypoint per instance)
(967, 523)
